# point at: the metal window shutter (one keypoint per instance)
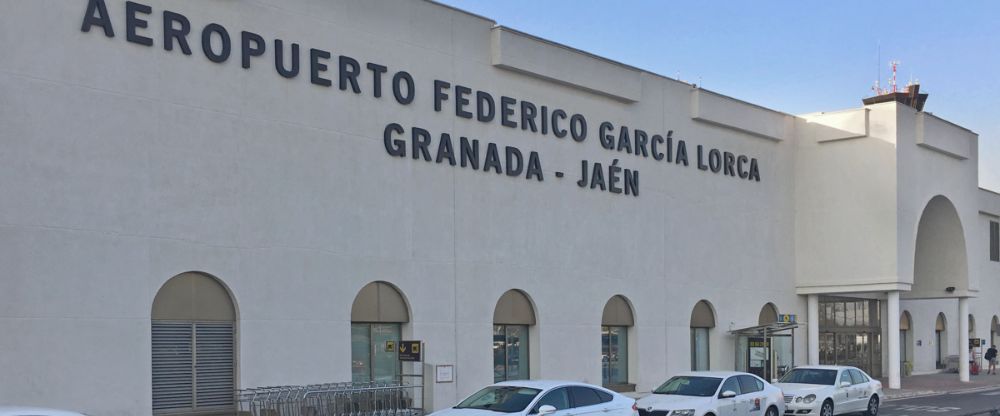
(172, 366)
(214, 364)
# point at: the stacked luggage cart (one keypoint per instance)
(333, 399)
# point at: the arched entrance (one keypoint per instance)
(702, 322)
(513, 318)
(378, 314)
(766, 349)
(941, 270)
(994, 330)
(193, 346)
(972, 327)
(941, 341)
(906, 342)
(616, 323)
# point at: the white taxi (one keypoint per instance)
(828, 390)
(543, 398)
(713, 393)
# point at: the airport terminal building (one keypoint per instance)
(202, 196)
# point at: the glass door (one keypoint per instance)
(385, 360)
(374, 352)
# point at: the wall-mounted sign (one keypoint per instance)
(615, 173)
(788, 318)
(410, 351)
(390, 346)
(444, 374)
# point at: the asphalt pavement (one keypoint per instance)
(957, 403)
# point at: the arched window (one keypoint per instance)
(972, 328)
(905, 338)
(512, 319)
(995, 331)
(941, 340)
(768, 315)
(702, 321)
(193, 346)
(615, 324)
(377, 316)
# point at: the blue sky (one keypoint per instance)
(797, 57)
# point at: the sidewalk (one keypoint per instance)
(938, 383)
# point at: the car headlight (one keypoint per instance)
(809, 399)
(682, 412)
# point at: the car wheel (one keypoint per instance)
(872, 406)
(771, 411)
(827, 409)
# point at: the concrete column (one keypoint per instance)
(812, 327)
(894, 340)
(963, 339)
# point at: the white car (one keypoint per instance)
(543, 398)
(827, 390)
(713, 393)
(34, 411)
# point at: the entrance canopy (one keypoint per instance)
(766, 329)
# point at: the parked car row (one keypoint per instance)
(810, 390)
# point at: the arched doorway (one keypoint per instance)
(766, 349)
(972, 327)
(995, 330)
(941, 270)
(616, 323)
(941, 341)
(193, 324)
(378, 314)
(513, 318)
(906, 342)
(702, 322)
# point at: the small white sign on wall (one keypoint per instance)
(444, 373)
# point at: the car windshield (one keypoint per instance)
(810, 376)
(690, 386)
(505, 399)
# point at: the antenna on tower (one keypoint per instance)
(910, 96)
(878, 69)
(893, 64)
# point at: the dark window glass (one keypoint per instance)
(506, 399)
(558, 398)
(994, 241)
(749, 384)
(732, 384)
(689, 386)
(810, 376)
(605, 397)
(858, 377)
(846, 376)
(583, 396)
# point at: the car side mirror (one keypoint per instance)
(845, 384)
(547, 409)
(728, 394)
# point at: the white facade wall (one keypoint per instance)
(124, 165)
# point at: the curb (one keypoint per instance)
(929, 393)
